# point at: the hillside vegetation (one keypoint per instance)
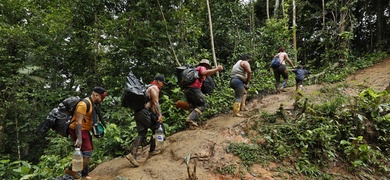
(327, 131)
(50, 50)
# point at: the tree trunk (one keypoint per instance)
(323, 15)
(283, 15)
(276, 8)
(252, 26)
(169, 37)
(379, 23)
(295, 31)
(212, 37)
(267, 6)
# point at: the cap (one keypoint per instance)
(101, 91)
(205, 63)
(160, 78)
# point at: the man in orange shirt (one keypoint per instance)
(80, 127)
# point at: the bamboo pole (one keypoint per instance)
(295, 31)
(211, 36)
(166, 31)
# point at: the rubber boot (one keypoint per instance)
(194, 115)
(85, 171)
(236, 109)
(72, 173)
(243, 101)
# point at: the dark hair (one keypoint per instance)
(300, 67)
(281, 49)
(245, 57)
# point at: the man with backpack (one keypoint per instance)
(240, 76)
(148, 117)
(194, 95)
(281, 69)
(82, 123)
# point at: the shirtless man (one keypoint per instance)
(149, 117)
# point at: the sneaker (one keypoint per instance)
(86, 177)
(192, 127)
(192, 123)
(244, 109)
(155, 152)
(132, 160)
(74, 174)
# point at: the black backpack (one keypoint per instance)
(134, 96)
(208, 85)
(186, 75)
(59, 118)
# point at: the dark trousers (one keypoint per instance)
(196, 100)
(145, 119)
(281, 70)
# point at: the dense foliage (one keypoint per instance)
(53, 49)
(314, 139)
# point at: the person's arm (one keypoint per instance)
(247, 67)
(288, 60)
(212, 71)
(79, 125)
(154, 96)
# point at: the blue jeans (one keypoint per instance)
(238, 86)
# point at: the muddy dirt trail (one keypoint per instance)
(209, 144)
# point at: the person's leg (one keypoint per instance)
(132, 157)
(86, 160)
(86, 149)
(153, 151)
(277, 78)
(69, 170)
(243, 102)
(301, 85)
(143, 122)
(153, 128)
(198, 103)
(296, 84)
(239, 89)
(284, 72)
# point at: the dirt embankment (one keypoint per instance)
(209, 145)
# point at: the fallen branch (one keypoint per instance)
(324, 71)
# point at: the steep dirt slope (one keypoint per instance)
(209, 144)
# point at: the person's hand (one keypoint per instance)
(159, 120)
(78, 142)
(219, 68)
(246, 86)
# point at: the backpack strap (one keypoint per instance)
(87, 103)
(88, 107)
(200, 76)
